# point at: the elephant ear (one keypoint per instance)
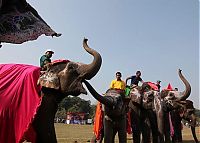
(49, 80)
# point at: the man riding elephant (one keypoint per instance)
(114, 110)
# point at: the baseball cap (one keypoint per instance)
(49, 50)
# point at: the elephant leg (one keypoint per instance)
(108, 131)
(122, 130)
(154, 128)
(177, 127)
(44, 121)
(167, 128)
(145, 129)
(135, 123)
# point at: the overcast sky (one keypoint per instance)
(155, 36)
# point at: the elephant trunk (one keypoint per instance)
(193, 124)
(90, 70)
(194, 134)
(97, 96)
(187, 91)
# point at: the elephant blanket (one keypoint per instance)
(19, 100)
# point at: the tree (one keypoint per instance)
(75, 104)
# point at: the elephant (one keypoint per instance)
(114, 113)
(148, 110)
(187, 113)
(60, 80)
(142, 112)
(20, 22)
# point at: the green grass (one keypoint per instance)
(83, 133)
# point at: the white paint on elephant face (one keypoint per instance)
(170, 96)
(135, 92)
(50, 77)
(157, 104)
(177, 93)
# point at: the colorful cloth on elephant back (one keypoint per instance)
(59, 61)
(153, 85)
(19, 100)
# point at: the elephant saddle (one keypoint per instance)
(19, 100)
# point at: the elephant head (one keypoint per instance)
(112, 99)
(188, 113)
(142, 95)
(67, 76)
(173, 99)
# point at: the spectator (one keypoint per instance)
(158, 84)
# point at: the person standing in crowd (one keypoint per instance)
(46, 59)
(135, 79)
(158, 85)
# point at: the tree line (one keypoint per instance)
(75, 104)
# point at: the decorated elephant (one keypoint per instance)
(60, 80)
(143, 100)
(114, 113)
(185, 112)
(20, 22)
(149, 108)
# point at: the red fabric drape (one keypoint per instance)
(153, 85)
(128, 123)
(19, 100)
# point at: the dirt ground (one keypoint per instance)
(83, 133)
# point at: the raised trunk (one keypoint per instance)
(186, 93)
(194, 134)
(90, 70)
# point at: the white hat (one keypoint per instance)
(49, 50)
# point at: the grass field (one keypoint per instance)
(83, 133)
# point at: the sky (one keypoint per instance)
(157, 37)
